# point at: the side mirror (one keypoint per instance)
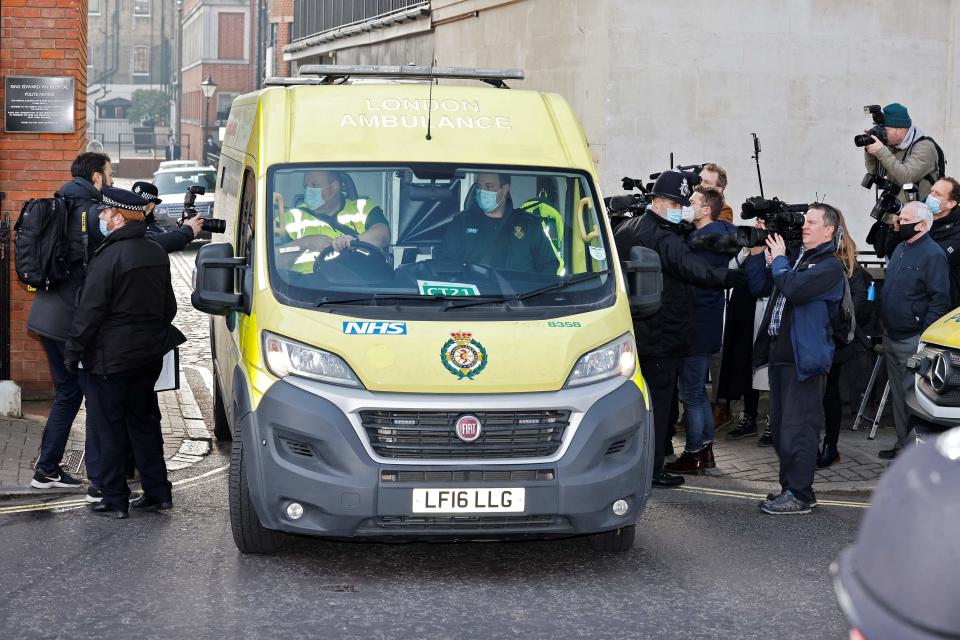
(644, 281)
(214, 291)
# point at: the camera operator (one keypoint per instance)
(667, 336)
(907, 155)
(796, 342)
(915, 293)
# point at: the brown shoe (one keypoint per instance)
(706, 456)
(721, 415)
(686, 463)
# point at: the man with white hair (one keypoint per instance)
(916, 293)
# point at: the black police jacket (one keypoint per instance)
(123, 320)
(672, 330)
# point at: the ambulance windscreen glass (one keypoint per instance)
(427, 235)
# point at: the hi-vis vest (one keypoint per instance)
(554, 232)
(300, 222)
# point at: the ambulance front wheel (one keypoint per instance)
(248, 534)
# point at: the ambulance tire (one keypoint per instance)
(249, 535)
(616, 541)
(221, 426)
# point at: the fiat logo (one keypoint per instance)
(468, 428)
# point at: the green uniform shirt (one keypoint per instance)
(475, 237)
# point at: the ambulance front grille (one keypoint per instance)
(430, 435)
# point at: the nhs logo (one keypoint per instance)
(375, 328)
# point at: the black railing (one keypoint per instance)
(311, 17)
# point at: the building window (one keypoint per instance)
(93, 7)
(141, 8)
(141, 61)
(224, 100)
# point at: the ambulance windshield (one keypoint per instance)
(436, 237)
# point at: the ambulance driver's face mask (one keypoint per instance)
(313, 197)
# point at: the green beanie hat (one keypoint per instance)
(895, 115)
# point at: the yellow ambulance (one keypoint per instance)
(420, 326)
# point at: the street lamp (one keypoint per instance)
(209, 87)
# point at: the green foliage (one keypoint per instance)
(149, 104)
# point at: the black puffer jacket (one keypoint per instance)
(123, 319)
(672, 330)
(946, 233)
(52, 311)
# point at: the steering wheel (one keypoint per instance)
(358, 247)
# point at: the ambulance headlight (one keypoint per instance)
(617, 358)
(288, 358)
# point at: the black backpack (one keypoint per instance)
(941, 169)
(844, 323)
(42, 244)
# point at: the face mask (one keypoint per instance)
(487, 200)
(907, 231)
(933, 204)
(103, 229)
(674, 215)
(313, 197)
(688, 214)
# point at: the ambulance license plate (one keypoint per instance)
(468, 500)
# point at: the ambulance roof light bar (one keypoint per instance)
(330, 73)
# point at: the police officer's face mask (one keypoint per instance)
(673, 215)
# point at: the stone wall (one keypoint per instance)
(696, 77)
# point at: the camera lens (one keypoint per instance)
(862, 140)
(214, 225)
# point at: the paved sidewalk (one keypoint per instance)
(185, 437)
(858, 469)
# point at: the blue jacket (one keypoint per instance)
(813, 294)
(916, 289)
(709, 303)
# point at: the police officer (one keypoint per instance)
(668, 335)
(491, 232)
(120, 333)
(175, 239)
(327, 217)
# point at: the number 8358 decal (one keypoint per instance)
(564, 325)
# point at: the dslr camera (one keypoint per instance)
(878, 130)
(887, 201)
(210, 225)
(778, 217)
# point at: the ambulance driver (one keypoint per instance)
(326, 217)
(491, 232)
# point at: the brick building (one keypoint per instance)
(280, 18)
(219, 41)
(38, 38)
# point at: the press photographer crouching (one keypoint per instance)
(667, 336)
(806, 285)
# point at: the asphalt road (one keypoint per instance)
(704, 566)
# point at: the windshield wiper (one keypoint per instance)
(533, 292)
(375, 297)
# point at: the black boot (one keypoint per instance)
(828, 455)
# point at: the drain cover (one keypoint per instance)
(72, 459)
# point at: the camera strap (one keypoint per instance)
(940, 171)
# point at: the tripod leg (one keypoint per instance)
(876, 420)
(867, 392)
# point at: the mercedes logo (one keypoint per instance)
(940, 372)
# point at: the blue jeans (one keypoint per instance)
(696, 404)
(67, 396)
